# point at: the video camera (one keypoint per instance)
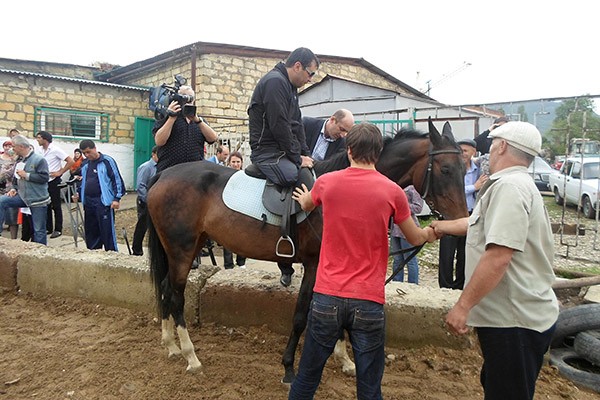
(163, 95)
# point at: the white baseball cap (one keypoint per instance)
(522, 135)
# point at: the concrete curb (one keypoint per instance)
(236, 297)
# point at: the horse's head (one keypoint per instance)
(443, 188)
(432, 163)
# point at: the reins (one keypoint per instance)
(428, 177)
(427, 182)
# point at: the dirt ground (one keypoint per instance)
(71, 349)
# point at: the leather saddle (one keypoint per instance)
(278, 200)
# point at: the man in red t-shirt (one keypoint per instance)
(349, 291)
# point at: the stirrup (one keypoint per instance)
(285, 239)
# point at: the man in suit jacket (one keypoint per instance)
(324, 137)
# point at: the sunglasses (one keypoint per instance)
(310, 73)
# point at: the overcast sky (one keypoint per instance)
(518, 51)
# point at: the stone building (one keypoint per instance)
(110, 105)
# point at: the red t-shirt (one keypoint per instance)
(357, 205)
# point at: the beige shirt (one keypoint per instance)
(510, 212)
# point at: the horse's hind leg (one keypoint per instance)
(340, 353)
(177, 303)
(168, 337)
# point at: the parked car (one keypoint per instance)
(577, 183)
(540, 171)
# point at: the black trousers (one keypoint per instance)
(512, 359)
(448, 277)
(140, 227)
(54, 206)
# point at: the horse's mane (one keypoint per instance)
(409, 133)
(340, 160)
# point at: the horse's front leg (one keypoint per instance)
(299, 321)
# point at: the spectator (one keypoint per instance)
(451, 246)
(349, 289)
(100, 192)
(325, 137)
(29, 187)
(8, 160)
(145, 172)
(75, 169)
(484, 142)
(54, 156)
(398, 240)
(236, 161)
(13, 132)
(277, 136)
(508, 297)
(221, 156)
(181, 137)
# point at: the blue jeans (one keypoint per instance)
(328, 317)
(38, 216)
(512, 359)
(398, 243)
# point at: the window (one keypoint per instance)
(71, 123)
(591, 171)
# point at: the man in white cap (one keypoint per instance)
(508, 296)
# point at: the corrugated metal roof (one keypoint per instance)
(76, 80)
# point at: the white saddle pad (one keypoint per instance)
(243, 194)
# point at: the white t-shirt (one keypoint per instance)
(54, 157)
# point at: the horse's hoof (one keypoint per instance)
(349, 371)
(194, 369)
(288, 378)
(174, 355)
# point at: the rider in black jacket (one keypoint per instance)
(277, 136)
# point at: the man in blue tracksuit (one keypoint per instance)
(101, 190)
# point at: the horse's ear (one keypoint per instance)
(434, 134)
(447, 131)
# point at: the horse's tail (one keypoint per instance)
(159, 265)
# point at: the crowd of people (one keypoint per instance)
(503, 250)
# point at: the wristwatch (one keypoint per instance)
(200, 120)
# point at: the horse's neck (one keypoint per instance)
(402, 161)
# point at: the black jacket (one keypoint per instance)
(312, 129)
(275, 120)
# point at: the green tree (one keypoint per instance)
(521, 111)
(571, 116)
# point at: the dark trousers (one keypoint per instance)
(26, 227)
(328, 317)
(448, 277)
(54, 206)
(228, 259)
(140, 227)
(99, 225)
(512, 359)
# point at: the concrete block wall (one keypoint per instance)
(237, 297)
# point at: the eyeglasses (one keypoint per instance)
(310, 73)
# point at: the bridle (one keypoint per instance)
(428, 177)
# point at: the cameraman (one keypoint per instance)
(181, 135)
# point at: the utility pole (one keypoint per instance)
(445, 77)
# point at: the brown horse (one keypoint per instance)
(186, 207)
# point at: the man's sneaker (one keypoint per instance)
(55, 234)
(285, 280)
